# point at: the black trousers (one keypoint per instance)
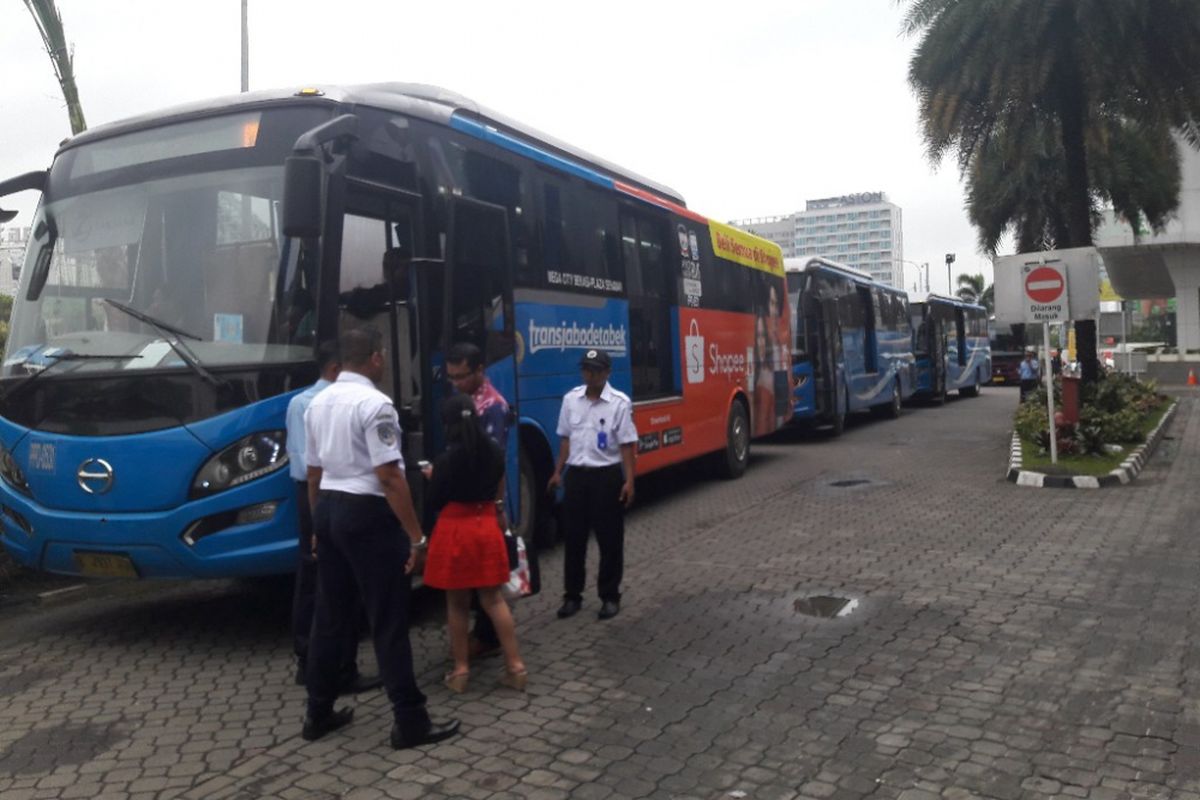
(362, 551)
(304, 595)
(1028, 386)
(593, 503)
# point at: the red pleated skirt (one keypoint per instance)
(466, 550)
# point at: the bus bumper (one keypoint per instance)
(246, 531)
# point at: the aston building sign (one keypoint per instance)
(860, 199)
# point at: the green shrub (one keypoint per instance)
(1112, 411)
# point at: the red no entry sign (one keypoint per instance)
(1044, 285)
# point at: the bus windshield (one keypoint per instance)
(180, 224)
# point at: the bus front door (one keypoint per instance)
(479, 310)
(827, 354)
(380, 280)
(937, 357)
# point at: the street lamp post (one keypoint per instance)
(922, 266)
(949, 285)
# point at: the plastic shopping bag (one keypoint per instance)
(518, 579)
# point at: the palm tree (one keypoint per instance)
(1016, 183)
(992, 73)
(969, 287)
(50, 26)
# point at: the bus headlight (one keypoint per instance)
(12, 474)
(246, 459)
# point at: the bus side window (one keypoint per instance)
(648, 287)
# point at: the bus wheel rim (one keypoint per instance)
(740, 439)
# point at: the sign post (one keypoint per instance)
(1046, 301)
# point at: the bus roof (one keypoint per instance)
(809, 264)
(932, 297)
(423, 101)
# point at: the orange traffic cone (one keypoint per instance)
(1191, 377)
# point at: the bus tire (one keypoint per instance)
(970, 391)
(534, 527)
(736, 455)
(839, 416)
(938, 398)
(893, 410)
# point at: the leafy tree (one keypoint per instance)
(1049, 106)
(50, 26)
(973, 289)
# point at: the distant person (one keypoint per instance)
(1056, 363)
(304, 596)
(597, 443)
(1028, 372)
(467, 552)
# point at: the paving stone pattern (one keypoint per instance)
(1007, 644)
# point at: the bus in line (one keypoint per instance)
(852, 346)
(1008, 342)
(185, 265)
(951, 346)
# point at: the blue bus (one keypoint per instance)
(185, 265)
(852, 343)
(950, 341)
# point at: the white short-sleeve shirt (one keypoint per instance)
(351, 428)
(583, 421)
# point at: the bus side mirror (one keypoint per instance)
(302, 196)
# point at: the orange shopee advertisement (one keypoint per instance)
(746, 248)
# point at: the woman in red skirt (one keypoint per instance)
(467, 550)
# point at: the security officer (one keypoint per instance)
(354, 462)
(304, 597)
(597, 438)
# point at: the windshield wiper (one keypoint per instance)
(20, 385)
(176, 343)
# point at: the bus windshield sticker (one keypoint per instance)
(227, 328)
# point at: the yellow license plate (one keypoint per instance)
(105, 565)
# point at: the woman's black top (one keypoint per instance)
(457, 480)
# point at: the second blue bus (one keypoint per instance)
(852, 347)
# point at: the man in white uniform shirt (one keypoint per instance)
(360, 497)
(596, 444)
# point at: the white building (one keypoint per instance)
(1166, 264)
(13, 240)
(864, 231)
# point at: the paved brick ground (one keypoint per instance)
(1008, 643)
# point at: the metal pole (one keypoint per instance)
(245, 46)
(1125, 342)
(1049, 393)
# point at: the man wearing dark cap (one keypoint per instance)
(596, 446)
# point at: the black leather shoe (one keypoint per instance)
(569, 608)
(609, 609)
(436, 733)
(359, 683)
(315, 728)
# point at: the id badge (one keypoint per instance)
(602, 440)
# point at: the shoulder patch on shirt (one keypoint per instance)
(387, 433)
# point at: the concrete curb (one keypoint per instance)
(1128, 470)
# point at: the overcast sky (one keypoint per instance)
(747, 109)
